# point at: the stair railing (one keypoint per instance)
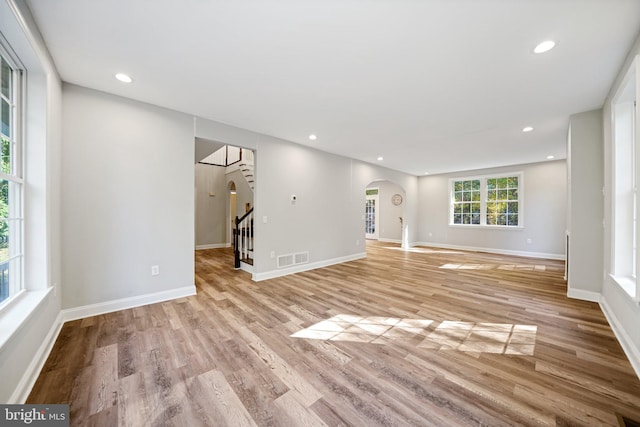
(243, 238)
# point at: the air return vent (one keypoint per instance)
(293, 259)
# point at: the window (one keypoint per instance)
(11, 184)
(466, 202)
(487, 201)
(502, 201)
(625, 181)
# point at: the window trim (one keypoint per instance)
(623, 271)
(483, 201)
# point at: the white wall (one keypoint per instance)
(328, 217)
(584, 221)
(128, 199)
(211, 210)
(31, 324)
(543, 213)
(389, 225)
(623, 313)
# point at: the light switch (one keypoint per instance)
(264, 219)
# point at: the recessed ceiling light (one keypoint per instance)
(545, 46)
(124, 78)
(380, 158)
(426, 173)
(551, 157)
(527, 129)
(313, 137)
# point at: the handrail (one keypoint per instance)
(243, 237)
(238, 221)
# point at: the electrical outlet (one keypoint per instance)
(272, 254)
(155, 270)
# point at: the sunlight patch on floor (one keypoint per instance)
(494, 267)
(499, 338)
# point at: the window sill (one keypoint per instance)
(488, 227)
(17, 312)
(628, 284)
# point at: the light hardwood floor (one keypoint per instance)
(426, 337)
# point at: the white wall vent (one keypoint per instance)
(301, 258)
(292, 259)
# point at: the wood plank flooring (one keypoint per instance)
(427, 338)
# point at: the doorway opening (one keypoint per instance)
(370, 217)
(384, 212)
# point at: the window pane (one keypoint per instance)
(457, 197)
(466, 196)
(512, 182)
(4, 241)
(502, 219)
(4, 280)
(457, 186)
(475, 208)
(512, 194)
(475, 184)
(467, 185)
(457, 208)
(512, 207)
(492, 219)
(466, 219)
(502, 194)
(512, 219)
(457, 219)
(491, 183)
(475, 219)
(5, 156)
(6, 118)
(502, 182)
(492, 194)
(6, 79)
(475, 196)
(466, 208)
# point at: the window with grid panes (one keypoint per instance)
(11, 183)
(466, 202)
(487, 200)
(502, 201)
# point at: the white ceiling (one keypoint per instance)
(432, 85)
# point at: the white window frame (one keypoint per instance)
(15, 177)
(626, 144)
(483, 200)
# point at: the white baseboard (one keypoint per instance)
(630, 349)
(584, 295)
(29, 378)
(246, 267)
(493, 250)
(125, 303)
(213, 246)
(306, 267)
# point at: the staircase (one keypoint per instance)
(246, 166)
(243, 240)
(247, 170)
